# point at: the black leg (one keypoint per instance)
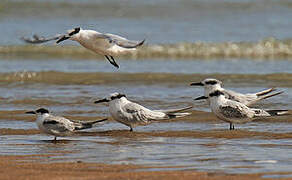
(131, 130)
(114, 62)
(107, 58)
(55, 140)
(231, 126)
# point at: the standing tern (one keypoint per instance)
(105, 44)
(57, 125)
(132, 114)
(235, 112)
(249, 99)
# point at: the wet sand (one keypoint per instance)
(194, 147)
(34, 167)
(196, 117)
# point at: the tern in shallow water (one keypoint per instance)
(249, 99)
(105, 44)
(235, 112)
(57, 125)
(132, 114)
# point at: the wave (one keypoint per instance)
(269, 48)
(68, 78)
(135, 9)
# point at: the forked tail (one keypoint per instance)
(177, 115)
(86, 125)
(264, 92)
(278, 112)
(270, 95)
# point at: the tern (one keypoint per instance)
(132, 114)
(57, 125)
(235, 112)
(249, 99)
(105, 44)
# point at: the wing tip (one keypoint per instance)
(141, 43)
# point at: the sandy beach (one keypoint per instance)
(34, 167)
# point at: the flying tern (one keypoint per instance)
(132, 114)
(105, 44)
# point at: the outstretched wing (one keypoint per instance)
(123, 42)
(36, 39)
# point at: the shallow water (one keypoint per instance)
(158, 21)
(69, 88)
(186, 42)
(233, 66)
(243, 155)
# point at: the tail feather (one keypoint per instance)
(268, 96)
(86, 125)
(264, 92)
(278, 112)
(177, 115)
(175, 110)
(141, 43)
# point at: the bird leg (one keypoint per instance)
(131, 130)
(55, 140)
(112, 61)
(231, 126)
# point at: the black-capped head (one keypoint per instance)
(210, 81)
(69, 35)
(74, 31)
(39, 111)
(112, 96)
(216, 94)
(42, 111)
(207, 82)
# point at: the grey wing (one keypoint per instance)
(235, 96)
(36, 39)
(175, 110)
(123, 42)
(235, 110)
(137, 112)
(144, 115)
(59, 124)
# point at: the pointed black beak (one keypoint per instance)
(101, 101)
(197, 84)
(200, 98)
(63, 38)
(30, 112)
